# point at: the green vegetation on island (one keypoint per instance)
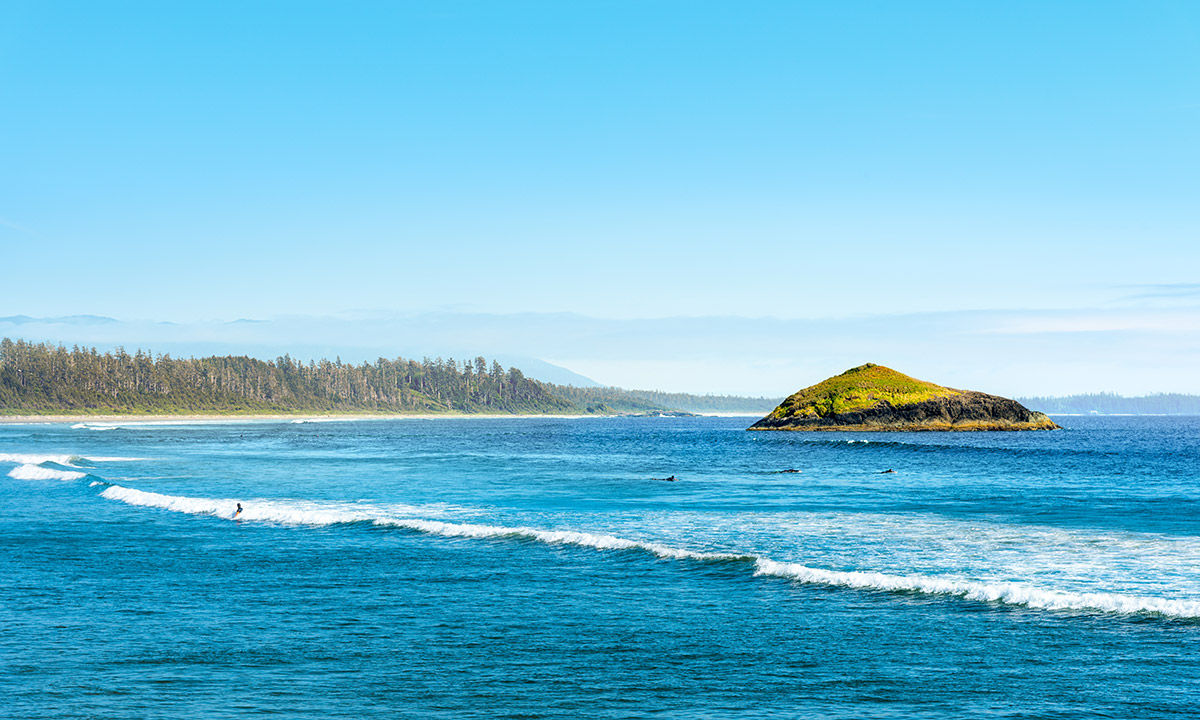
(873, 397)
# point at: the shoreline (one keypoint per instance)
(264, 417)
(201, 418)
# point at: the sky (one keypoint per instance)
(712, 166)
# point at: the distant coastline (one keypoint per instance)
(1112, 404)
(41, 380)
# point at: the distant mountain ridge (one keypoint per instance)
(61, 320)
(1113, 404)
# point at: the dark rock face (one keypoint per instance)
(965, 411)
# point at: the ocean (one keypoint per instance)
(544, 568)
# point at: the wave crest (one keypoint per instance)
(38, 458)
(37, 472)
(1010, 593)
(61, 459)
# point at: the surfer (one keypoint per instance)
(238, 511)
(885, 472)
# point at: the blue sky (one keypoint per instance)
(199, 162)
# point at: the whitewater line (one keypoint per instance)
(37, 472)
(60, 459)
(1008, 593)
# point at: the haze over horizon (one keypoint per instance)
(1135, 351)
(656, 195)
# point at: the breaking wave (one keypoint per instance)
(37, 459)
(306, 421)
(61, 459)
(1008, 593)
(407, 517)
(37, 472)
(314, 514)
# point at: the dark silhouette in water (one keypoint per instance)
(885, 472)
(238, 511)
(788, 471)
(666, 479)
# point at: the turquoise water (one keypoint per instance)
(535, 568)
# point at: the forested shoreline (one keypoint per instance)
(622, 400)
(42, 379)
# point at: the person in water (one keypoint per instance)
(238, 511)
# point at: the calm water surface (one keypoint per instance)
(531, 568)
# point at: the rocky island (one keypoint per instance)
(875, 398)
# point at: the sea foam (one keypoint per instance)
(1008, 593)
(61, 459)
(307, 421)
(282, 513)
(37, 472)
(37, 459)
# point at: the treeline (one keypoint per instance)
(710, 403)
(1109, 403)
(621, 400)
(606, 399)
(42, 378)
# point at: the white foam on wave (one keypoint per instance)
(37, 458)
(272, 511)
(181, 423)
(313, 514)
(60, 459)
(37, 472)
(556, 537)
(1075, 559)
(305, 421)
(1010, 593)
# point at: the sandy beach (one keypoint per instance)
(200, 418)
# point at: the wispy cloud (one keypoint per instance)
(5, 222)
(1162, 291)
(1157, 320)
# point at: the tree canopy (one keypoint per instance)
(42, 378)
